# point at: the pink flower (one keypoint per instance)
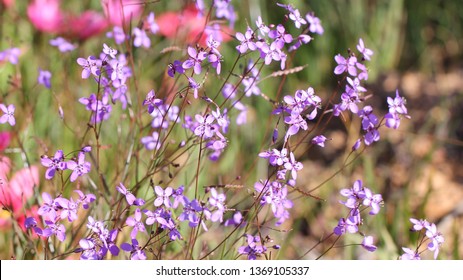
(121, 15)
(86, 25)
(8, 3)
(15, 192)
(46, 15)
(5, 138)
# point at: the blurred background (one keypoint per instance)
(418, 49)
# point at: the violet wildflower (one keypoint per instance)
(151, 22)
(410, 254)
(85, 199)
(44, 78)
(280, 37)
(372, 200)
(194, 85)
(246, 41)
(368, 243)
(319, 140)
(136, 252)
(295, 16)
(68, 208)
(12, 55)
(419, 224)
(236, 220)
(191, 210)
(118, 34)
(140, 38)
(8, 114)
(175, 67)
(346, 65)
(363, 50)
(55, 164)
(205, 127)
(49, 207)
(136, 223)
(152, 142)
(91, 65)
(254, 248)
(436, 239)
(263, 28)
(78, 168)
(300, 40)
(62, 44)
(293, 165)
(109, 51)
(88, 248)
(195, 60)
(129, 197)
(163, 196)
(217, 200)
(314, 23)
(156, 217)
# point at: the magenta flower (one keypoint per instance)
(8, 114)
(78, 168)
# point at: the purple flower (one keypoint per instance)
(163, 196)
(372, 200)
(410, 254)
(272, 52)
(78, 168)
(140, 38)
(217, 200)
(397, 105)
(293, 166)
(85, 199)
(118, 35)
(62, 44)
(194, 85)
(254, 248)
(368, 243)
(175, 67)
(280, 37)
(48, 207)
(205, 128)
(436, 239)
(345, 65)
(91, 65)
(136, 223)
(136, 252)
(8, 114)
(296, 17)
(109, 51)
(190, 212)
(55, 164)
(12, 55)
(364, 51)
(89, 250)
(419, 224)
(314, 23)
(236, 220)
(129, 197)
(44, 78)
(156, 217)
(153, 26)
(319, 140)
(195, 60)
(152, 142)
(263, 28)
(246, 41)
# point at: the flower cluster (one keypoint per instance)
(431, 235)
(57, 163)
(359, 198)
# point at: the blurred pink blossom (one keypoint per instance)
(120, 12)
(15, 192)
